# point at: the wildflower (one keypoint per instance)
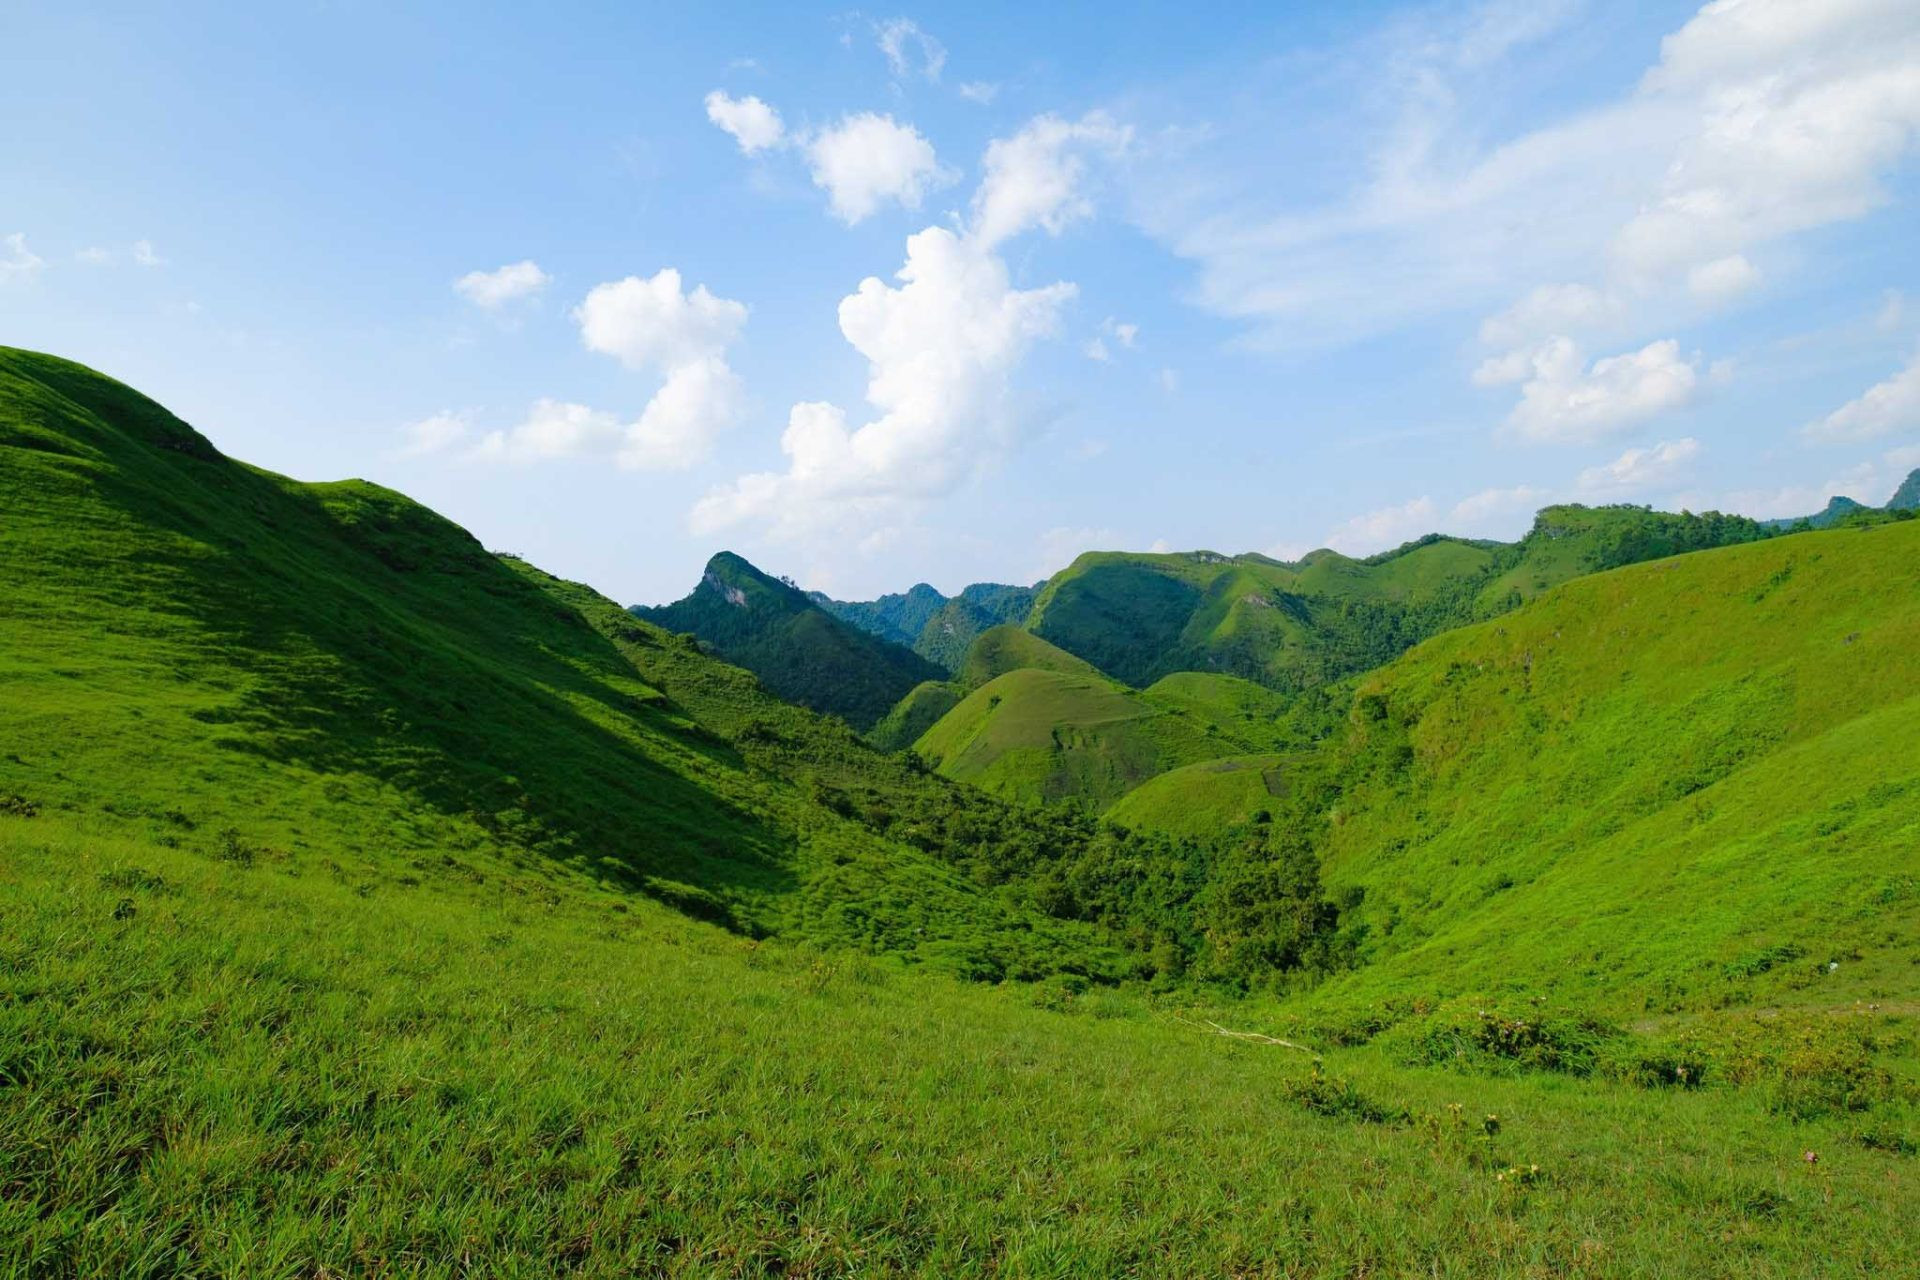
(1812, 1159)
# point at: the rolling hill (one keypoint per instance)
(1037, 734)
(1293, 626)
(378, 905)
(1627, 789)
(309, 675)
(800, 651)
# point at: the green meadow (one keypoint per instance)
(373, 904)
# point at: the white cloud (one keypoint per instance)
(867, 160)
(909, 50)
(1036, 178)
(436, 434)
(1761, 119)
(755, 126)
(697, 402)
(491, 290)
(144, 256)
(94, 256)
(650, 322)
(1096, 349)
(1562, 402)
(1125, 334)
(1882, 409)
(19, 262)
(1548, 310)
(1170, 381)
(980, 91)
(1384, 529)
(1723, 279)
(552, 429)
(941, 346)
(1638, 470)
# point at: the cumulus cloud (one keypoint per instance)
(1882, 409)
(980, 91)
(909, 50)
(1037, 177)
(942, 342)
(1384, 528)
(651, 322)
(867, 160)
(754, 125)
(18, 262)
(1638, 470)
(492, 290)
(144, 255)
(940, 346)
(1564, 401)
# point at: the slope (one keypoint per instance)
(1294, 626)
(799, 651)
(1626, 790)
(332, 677)
(938, 628)
(1037, 734)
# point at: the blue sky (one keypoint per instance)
(953, 293)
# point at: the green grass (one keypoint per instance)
(1205, 798)
(1612, 794)
(363, 899)
(1139, 616)
(1049, 734)
(1004, 648)
(914, 714)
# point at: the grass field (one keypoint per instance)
(374, 905)
(317, 1064)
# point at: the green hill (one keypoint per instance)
(897, 618)
(799, 651)
(1039, 733)
(937, 628)
(914, 714)
(1140, 616)
(1205, 798)
(1004, 648)
(1628, 789)
(378, 906)
(313, 675)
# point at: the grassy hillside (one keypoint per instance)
(1205, 798)
(333, 676)
(914, 714)
(799, 650)
(1140, 616)
(1631, 791)
(1004, 648)
(1041, 734)
(357, 889)
(1844, 510)
(274, 1071)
